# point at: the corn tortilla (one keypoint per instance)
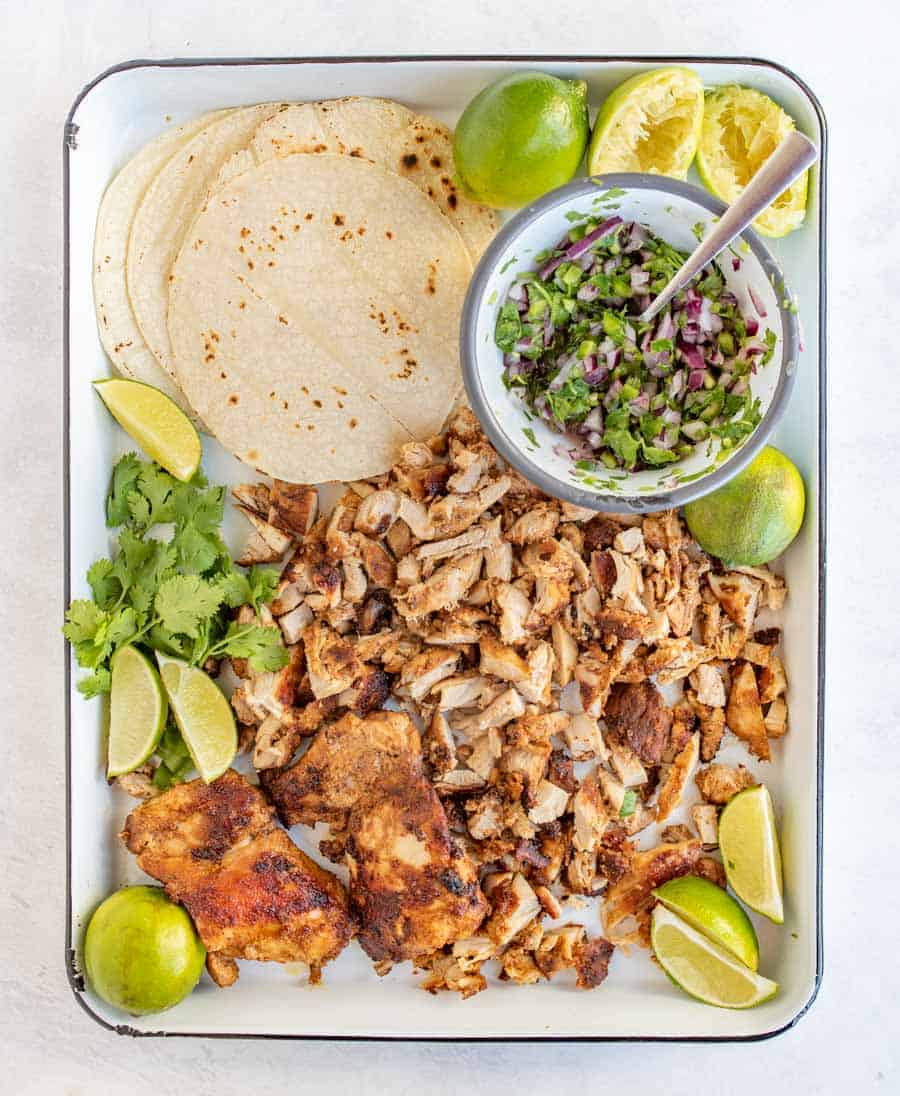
(314, 312)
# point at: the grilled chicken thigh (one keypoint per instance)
(411, 886)
(251, 892)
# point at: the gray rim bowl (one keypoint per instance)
(519, 458)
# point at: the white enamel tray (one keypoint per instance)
(111, 119)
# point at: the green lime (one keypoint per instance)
(754, 516)
(748, 840)
(203, 715)
(520, 137)
(712, 911)
(651, 123)
(138, 711)
(141, 951)
(741, 129)
(702, 968)
(158, 425)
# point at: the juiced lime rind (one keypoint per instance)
(754, 517)
(651, 123)
(155, 422)
(138, 711)
(748, 839)
(742, 127)
(520, 137)
(712, 911)
(141, 951)
(703, 969)
(203, 714)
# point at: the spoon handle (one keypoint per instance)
(793, 156)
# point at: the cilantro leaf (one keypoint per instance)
(508, 329)
(198, 552)
(571, 401)
(105, 584)
(262, 645)
(629, 803)
(184, 601)
(124, 482)
(96, 683)
(623, 444)
(83, 620)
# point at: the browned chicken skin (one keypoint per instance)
(251, 892)
(412, 888)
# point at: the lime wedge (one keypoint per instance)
(741, 130)
(749, 844)
(203, 715)
(702, 968)
(651, 123)
(137, 711)
(158, 425)
(712, 911)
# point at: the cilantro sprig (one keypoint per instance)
(171, 595)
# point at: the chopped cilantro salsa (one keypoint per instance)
(625, 393)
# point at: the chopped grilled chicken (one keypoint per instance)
(438, 746)
(485, 753)
(139, 784)
(223, 971)
(458, 782)
(513, 905)
(590, 813)
(676, 778)
(550, 802)
(251, 893)
(277, 540)
(738, 594)
(537, 524)
(501, 661)
(565, 650)
(626, 764)
(637, 714)
(774, 590)
(342, 765)
(595, 676)
(477, 538)
(776, 719)
(707, 681)
(515, 609)
(592, 962)
(444, 589)
(583, 738)
(632, 896)
(705, 817)
(453, 514)
(509, 705)
(331, 661)
(293, 507)
(674, 659)
(422, 673)
(411, 886)
(719, 783)
(772, 680)
(744, 715)
(258, 550)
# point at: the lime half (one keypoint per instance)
(651, 123)
(702, 968)
(712, 911)
(741, 129)
(748, 841)
(137, 711)
(158, 425)
(203, 715)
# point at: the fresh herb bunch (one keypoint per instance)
(168, 595)
(630, 394)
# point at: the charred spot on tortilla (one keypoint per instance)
(337, 219)
(410, 160)
(452, 201)
(245, 232)
(389, 234)
(435, 161)
(309, 216)
(234, 399)
(353, 424)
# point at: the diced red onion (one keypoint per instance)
(692, 356)
(665, 329)
(587, 260)
(676, 385)
(695, 379)
(588, 292)
(740, 386)
(636, 239)
(612, 393)
(757, 302)
(610, 266)
(671, 416)
(640, 279)
(640, 405)
(735, 263)
(586, 242)
(594, 419)
(563, 375)
(549, 329)
(516, 292)
(752, 325)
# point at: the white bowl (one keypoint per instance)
(671, 209)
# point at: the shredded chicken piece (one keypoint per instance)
(676, 778)
(719, 783)
(744, 714)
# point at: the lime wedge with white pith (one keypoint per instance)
(137, 711)
(651, 123)
(713, 912)
(704, 969)
(203, 715)
(741, 129)
(158, 425)
(748, 841)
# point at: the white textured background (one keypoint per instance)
(847, 52)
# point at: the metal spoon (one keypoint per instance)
(792, 157)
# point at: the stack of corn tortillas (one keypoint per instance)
(293, 276)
